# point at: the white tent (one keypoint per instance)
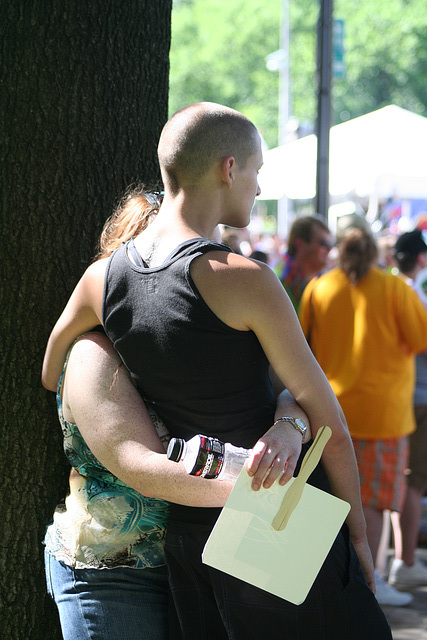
(379, 155)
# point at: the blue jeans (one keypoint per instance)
(109, 604)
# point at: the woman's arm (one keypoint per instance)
(82, 313)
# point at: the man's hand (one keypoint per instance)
(275, 455)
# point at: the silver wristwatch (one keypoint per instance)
(297, 424)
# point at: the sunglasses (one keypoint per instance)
(325, 243)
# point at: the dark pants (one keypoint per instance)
(212, 605)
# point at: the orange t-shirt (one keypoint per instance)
(364, 338)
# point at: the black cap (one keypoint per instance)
(409, 245)
(175, 449)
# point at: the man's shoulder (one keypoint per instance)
(220, 260)
(229, 271)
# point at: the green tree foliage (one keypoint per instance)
(219, 49)
(386, 58)
(218, 54)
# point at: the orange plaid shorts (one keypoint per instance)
(382, 465)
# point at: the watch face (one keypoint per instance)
(301, 424)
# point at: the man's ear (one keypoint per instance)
(228, 166)
(422, 259)
(298, 243)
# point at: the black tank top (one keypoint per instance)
(199, 374)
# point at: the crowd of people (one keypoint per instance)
(172, 332)
(367, 338)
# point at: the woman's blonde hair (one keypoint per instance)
(133, 214)
(358, 253)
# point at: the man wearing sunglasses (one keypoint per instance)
(309, 244)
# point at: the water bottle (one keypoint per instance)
(208, 457)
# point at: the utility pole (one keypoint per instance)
(324, 76)
(283, 203)
(279, 61)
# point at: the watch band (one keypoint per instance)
(297, 424)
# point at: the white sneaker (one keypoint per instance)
(401, 575)
(388, 595)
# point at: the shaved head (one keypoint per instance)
(200, 135)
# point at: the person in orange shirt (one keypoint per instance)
(364, 327)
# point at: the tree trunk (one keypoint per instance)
(84, 96)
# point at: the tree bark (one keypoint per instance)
(83, 93)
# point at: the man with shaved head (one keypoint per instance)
(198, 326)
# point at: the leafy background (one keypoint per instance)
(219, 48)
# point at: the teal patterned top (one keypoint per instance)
(104, 523)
